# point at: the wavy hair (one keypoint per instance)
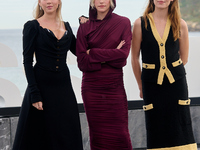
(174, 16)
(39, 12)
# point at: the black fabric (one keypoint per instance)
(57, 127)
(168, 124)
(151, 55)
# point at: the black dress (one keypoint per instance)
(57, 127)
(165, 91)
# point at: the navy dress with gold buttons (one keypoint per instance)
(57, 127)
(165, 91)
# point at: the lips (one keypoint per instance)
(49, 7)
(160, 2)
(101, 6)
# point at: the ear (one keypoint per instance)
(39, 1)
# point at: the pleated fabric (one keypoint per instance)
(106, 109)
(103, 91)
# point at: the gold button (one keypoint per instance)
(57, 59)
(57, 67)
(58, 47)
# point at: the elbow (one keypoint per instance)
(185, 61)
(81, 67)
(134, 61)
(124, 56)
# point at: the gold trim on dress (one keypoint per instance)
(183, 147)
(177, 63)
(148, 66)
(184, 102)
(161, 43)
(148, 107)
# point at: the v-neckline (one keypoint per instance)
(55, 35)
(155, 31)
(52, 31)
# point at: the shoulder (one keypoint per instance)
(85, 26)
(184, 29)
(137, 30)
(67, 25)
(31, 27)
(31, 24)
(183, 25)
(122, 19)
(137, 23)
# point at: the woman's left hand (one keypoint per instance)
(121, 44)
(88, 51)
(38, 105)
(83, 19)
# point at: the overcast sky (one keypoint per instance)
(14, 13)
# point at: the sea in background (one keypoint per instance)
(13, 39)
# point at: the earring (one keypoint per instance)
(40, 8)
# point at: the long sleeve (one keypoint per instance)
(114, 57)
(73, 42)
(83, 58)
(73, 45)
(29, 36)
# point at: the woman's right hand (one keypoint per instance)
(121, 44)
(38, 105)
(141, 94)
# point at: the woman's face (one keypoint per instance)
(102, 6)
(162, 4)
(49, 6)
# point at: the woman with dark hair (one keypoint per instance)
(49, 117)
(162, 37)
(103, 45)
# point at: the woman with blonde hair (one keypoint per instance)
(103, 44)
(49, 117)
(162, 37)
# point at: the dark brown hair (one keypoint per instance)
(174, 16)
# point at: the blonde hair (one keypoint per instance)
(111, 4)
(39, 12)
(174, 16)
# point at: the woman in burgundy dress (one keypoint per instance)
(103, 44)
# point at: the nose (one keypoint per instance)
(48, 1)
(101, 1)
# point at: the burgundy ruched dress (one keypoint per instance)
(103, 90)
